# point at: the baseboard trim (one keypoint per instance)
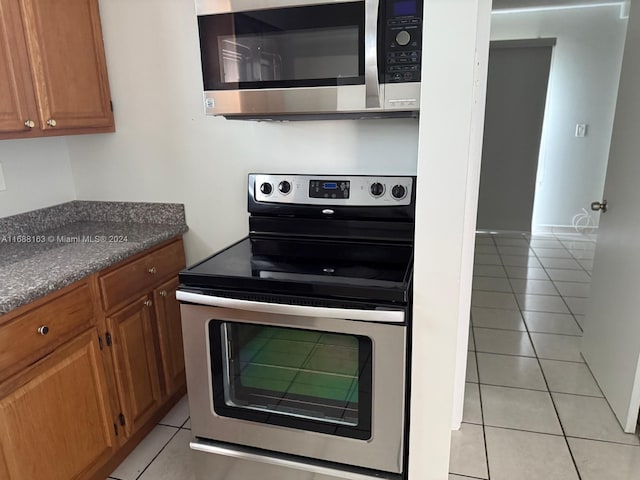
(563, 230)
(502, 232)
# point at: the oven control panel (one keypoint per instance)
(353, 190)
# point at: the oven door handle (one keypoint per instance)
(386, 316)
(371, 79)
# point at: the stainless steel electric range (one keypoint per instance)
(296, 337)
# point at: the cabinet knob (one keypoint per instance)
(51, 122)
(43, 330)
(29, 123)
(148, 303)
(153, 270)
(163, 293)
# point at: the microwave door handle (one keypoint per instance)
(371, 80)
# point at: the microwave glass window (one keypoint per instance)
(310, 46)
(316, 53)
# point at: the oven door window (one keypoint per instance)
(303, 379)
(319, 45)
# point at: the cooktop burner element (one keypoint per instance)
(306, 267)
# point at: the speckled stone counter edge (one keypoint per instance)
(36, 221)
(34, 278)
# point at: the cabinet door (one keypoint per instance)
(170, 335)
(69, 68)
(135, 362)
(17, 99)
(55, 419)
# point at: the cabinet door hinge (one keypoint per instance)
(109, 339)
(115, 429)
(111, 104)
(100, 342)
(122, 419)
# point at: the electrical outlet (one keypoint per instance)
(581, 130)
(3, 186)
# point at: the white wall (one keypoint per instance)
(454, 85)
(585, 71)
(165, 149)
(37, 174)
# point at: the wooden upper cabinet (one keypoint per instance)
(17, 99)
(55, 423)
(65, 44)
(170, 335)
(53, 72)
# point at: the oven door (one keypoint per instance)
(299, 380)
(289, 56)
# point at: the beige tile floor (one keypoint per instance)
(164, 453)
(533, 410)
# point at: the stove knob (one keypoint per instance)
(377, 189)
(266, 188)
(398, 192)
(284, 187)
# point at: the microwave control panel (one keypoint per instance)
(403, 41)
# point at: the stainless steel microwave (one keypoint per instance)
(275, 58)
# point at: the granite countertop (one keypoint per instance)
(45, 250)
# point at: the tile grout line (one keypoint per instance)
(538, 359)
(585, 270)
(544, 377)
(537, 389)
(578, 260)
(484, 430)
(475, 352)
(524, 321)
(540, 365)
(525, 356)
(511, 429)
(557, 290)
(636, 433)
(159, 452)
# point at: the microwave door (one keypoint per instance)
(264, 57)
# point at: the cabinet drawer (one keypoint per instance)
(141, 275)
(21, 342)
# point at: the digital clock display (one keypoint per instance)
(330, 189)
(405, 7)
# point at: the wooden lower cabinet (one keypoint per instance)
(77, 399)
(134, 356)
(55, 418)
(167, 310)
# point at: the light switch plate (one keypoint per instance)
(3, 185)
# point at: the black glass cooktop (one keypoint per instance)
(314, 268)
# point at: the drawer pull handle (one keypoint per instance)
(51, 122)
(43, 330)
(153, 270)
(148, 303)
(29, 123)
(163, 293)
